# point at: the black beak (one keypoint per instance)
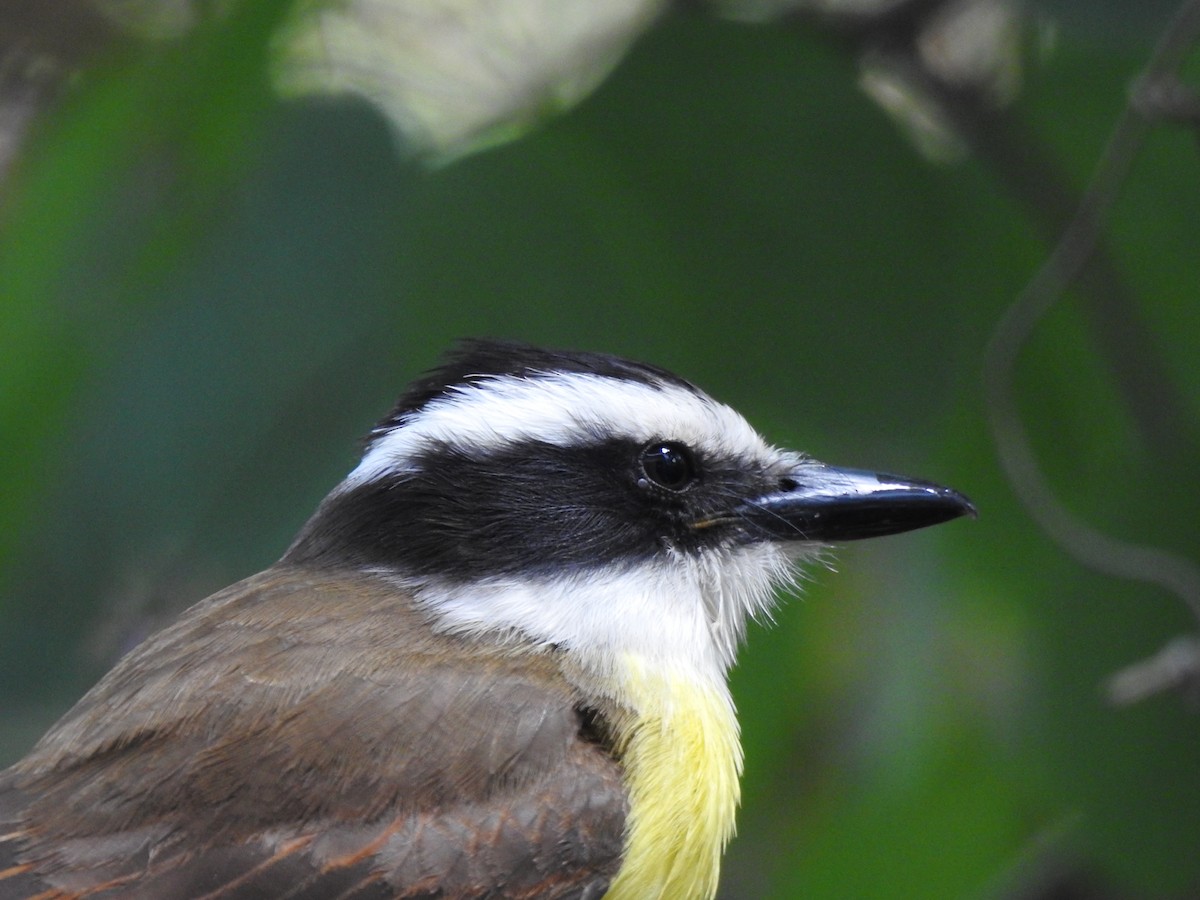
(824, 504)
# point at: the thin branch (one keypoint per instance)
(1063, 267)
(1080, 259)
(1171, 668)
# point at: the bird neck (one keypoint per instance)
(652, 646)
(682, 756)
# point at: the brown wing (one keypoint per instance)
(303, 736)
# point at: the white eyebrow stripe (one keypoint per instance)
(564, 409)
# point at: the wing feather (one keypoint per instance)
(303, 736)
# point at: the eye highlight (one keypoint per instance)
(668, 464)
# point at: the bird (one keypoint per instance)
(491, 664)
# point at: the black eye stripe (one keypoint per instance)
(532, 507)
(668, 464)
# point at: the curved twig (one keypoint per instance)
(1067, 262)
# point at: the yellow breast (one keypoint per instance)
(683, 759)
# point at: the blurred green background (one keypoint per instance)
(207, 295)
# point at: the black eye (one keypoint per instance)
(668, 465)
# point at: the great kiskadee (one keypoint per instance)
(492, 664)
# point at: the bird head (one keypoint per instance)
(593, 504)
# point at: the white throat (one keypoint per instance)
(679, 615)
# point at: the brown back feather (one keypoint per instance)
(307, 735)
